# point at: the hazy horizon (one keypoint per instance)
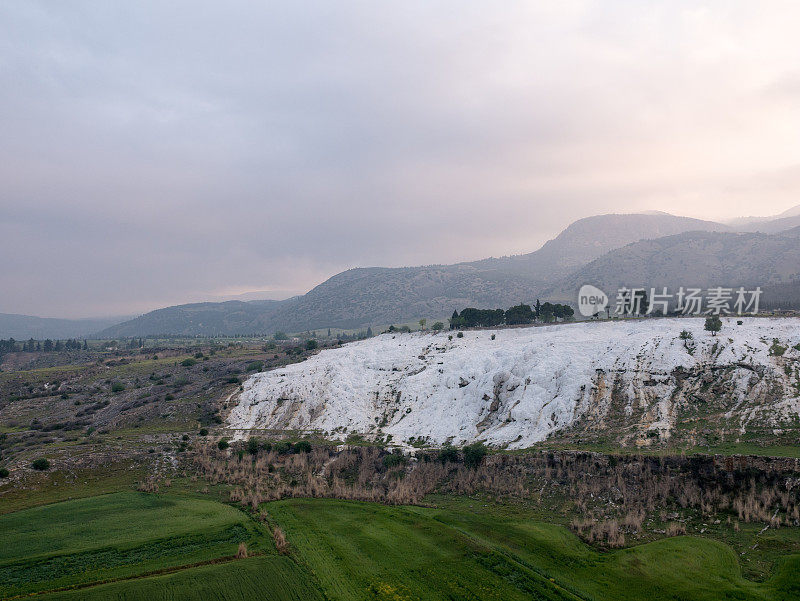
(254, 295)
(159, 154)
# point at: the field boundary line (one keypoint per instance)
(159, 572)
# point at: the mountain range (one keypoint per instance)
(640, 249)
(23, 327)
(607, 249)
(696, 259)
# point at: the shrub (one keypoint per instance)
(117, 387)
(283, 447)
(520, 314)
(311, 345)
(255, 366)
(393, 460)
(675, 529)
(281, 545)
(302, 446)
(713, 324)
(232, 380)
(448, 454)
(354, 439)
(474, 454)
(776, 350)
(252, 445)
(280, 336)
(169, 397)
(460, 335)
(223, 444)
(203, 432)
(149, 485)
(188, 362)
(685, 335)
(437, 326)
(4, 472)
(41, 464)
(185, 437)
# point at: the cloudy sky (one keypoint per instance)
(167, 152)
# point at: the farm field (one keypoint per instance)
(116, 536)
(265, 578)
(147, 546)
(685, 567)
(367, 551)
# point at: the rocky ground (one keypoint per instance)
(107, 407)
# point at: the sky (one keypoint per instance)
(156, 153)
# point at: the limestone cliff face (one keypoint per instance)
(637, 382)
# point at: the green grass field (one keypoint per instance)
(369, 551)
(116, 535)
(684, 567)
(365, 551)
(267, 578)
(341, 550)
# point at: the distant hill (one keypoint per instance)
(23, 327)
(352, 299)
(592, 237)
(768, 225)
(772, 226)
(196, 319)
(699, 259)
(361, 297)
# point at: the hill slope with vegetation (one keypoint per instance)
(699, 259)
(379, 296)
